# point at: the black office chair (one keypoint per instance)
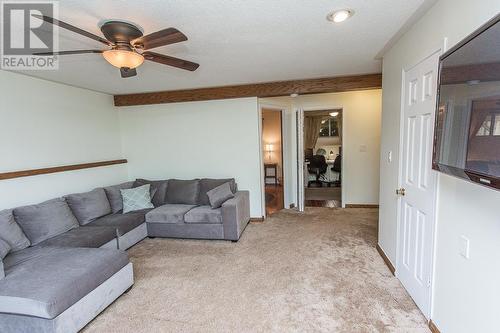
(337, 167)
(318, 167)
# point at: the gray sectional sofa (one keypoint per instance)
(64, 260)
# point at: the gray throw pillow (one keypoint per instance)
(115, 197)
(219, 195)
(207, 184)
(89, 206)
(183, 192)
(136, 198)
(45, 220)
(158, 190)
(4, 249)
(11, 233)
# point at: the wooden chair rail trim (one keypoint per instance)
(34, 172)
(266, 89)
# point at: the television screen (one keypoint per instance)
(467, 133)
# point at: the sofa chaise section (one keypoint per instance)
(61, 289)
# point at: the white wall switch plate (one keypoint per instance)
(362, 148)
(464, 247)
(389, 156)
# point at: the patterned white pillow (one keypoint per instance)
(136, 198)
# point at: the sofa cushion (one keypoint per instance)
(207, 184)
(158, 190)
(183, 192)
(89, 206)
(115, 197)
(45, 220)
(137, 198)
(11, 232)
(169, 213)
(58, 278)
(122, 222)
(203, 214)
(219, 195)
(85, 236)
(4, 249)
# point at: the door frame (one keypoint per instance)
(284, 153)
(438, 50)
(324, 107)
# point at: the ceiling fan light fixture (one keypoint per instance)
(123, 58)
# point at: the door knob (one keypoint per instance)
(401, 191)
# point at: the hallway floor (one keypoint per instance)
(313, 272)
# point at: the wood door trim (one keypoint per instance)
(386, 260)
(267, 89)
(43, 171)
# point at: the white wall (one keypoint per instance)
(45, 124)
(466, 291)
(362, 118)
(215, 139)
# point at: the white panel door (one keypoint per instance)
(418, 183)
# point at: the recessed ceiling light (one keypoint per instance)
(334, 114)
(340, 15)
(294, 95)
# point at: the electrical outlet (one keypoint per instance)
(362, 148)
(389, 156)
(464, 247)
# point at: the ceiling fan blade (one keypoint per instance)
(67, 52)
(72, 28)
(171, 61)
(126, 72)
(159, 38)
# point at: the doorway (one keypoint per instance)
(272, 145)
(322, 141)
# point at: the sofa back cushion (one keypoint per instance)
(11, 233)
(45, 220)
(89, 206)
(183, 192)
(158, 190)
(207, 184)
(115, 197)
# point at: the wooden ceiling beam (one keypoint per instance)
(268, 89)
(462, 74)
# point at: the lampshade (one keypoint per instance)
(123, 58)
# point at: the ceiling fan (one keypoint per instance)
(128, 47)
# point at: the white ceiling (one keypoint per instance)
(234, 41)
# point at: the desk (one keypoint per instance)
(271, 173)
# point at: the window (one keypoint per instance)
(490, 126)
(485, 128)
(496, 125)
(329, 127)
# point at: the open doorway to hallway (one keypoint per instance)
(323, 158)
(272, 144)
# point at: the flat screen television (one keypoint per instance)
(467, 130)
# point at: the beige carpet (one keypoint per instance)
(312, 272)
